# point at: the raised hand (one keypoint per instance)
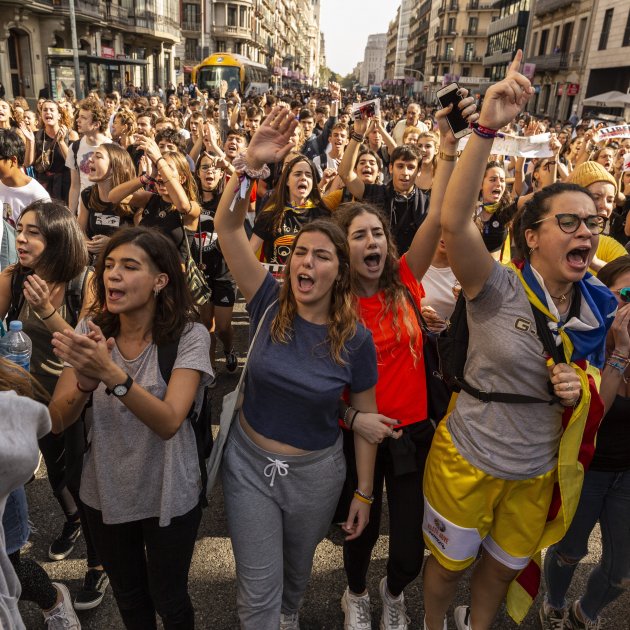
(467, 106)
(273, 140)
(505, 99)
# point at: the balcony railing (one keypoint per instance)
(443, 58)
(473, 33)
(444, 32)
(151, 21)
(470, 59)
(479, 6)
(83, 8)
(191, 25)
(235, 31)
(547, 6)
(552, 62)
(116, 14)
(448, 7)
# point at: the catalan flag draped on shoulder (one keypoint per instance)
(583, 340)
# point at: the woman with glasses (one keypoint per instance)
(535, 329)
(606, 491)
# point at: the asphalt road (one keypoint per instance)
(212, 581)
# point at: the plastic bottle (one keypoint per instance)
(16, 346)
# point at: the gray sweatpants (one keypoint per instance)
(279, 508)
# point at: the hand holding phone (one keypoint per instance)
(446, 96)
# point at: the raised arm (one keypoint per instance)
(425, 241)
(133, 188)
(346, 167)
(389, 142)
(469, 258)
(271, 143)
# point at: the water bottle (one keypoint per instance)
(16, 346)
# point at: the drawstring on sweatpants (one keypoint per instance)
(276, 466)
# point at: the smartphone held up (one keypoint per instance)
(446, 96)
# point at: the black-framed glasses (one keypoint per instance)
(569, 222)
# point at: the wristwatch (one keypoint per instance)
(121, 389)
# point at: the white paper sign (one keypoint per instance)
(518, 146)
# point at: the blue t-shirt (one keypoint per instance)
(292, 389)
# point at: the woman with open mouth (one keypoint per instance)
(294, 203)
(109, 165)
(506, 465)
(389, 299)
(141, 484)
(283, 466)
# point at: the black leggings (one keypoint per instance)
(148, 567)
(36, 585)
(63, 455)
(406, 509)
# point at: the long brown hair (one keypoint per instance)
(174, 308)
(280, 200)
(342, 322)
(122, 170)
(183, 170)
(394, 298)
(14, 378)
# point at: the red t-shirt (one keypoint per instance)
(401, 390)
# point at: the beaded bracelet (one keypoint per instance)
(446, 156)
(364, 498)
(357, 137)
(345, 415)
(621, 367)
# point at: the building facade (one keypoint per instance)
(120, 42)
(557, 46)
(373, 68)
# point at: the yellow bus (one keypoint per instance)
(240, 73)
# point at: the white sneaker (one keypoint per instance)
(394, 610)
(356, 608)
(550, 618)
(62, 616)
(462, 618)
(444, 627)
(290, 622)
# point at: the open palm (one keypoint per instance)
(273, 140)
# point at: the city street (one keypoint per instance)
(212, 578)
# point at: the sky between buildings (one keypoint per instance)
(346, 25)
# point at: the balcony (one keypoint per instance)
(149, 22)
(443, 32)
(474, 5)
(470, 59)
(445, 58)
(547, 6)
(518, 19)
(117, 15)
(83, 8)
(191, 25)
(474, 33)
(233, 31)
(498, 57)
(448, 7)
(551, 63)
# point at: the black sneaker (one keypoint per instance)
(63, 545)
(94, 586)
(231, 360)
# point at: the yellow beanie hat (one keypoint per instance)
(590, 172)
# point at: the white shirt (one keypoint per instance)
(83, 155)
(438, 283)
(15, 199)
(401, 125)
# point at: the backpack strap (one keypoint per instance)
(74, 145)
(18, 276)
(75, 292)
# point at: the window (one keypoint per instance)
(544, 36)
(469, 51)
(603, 38)
(232, 16)
(448, 51)
(191, 48)
(238, 48)
(243, 16)
(473, 23)
(534, 40)
(221, 46)
(465, 71)
(626, 33)
(556, 33)
(579, 42)
(451, 25)
(190, 15)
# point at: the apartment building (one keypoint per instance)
(120, 42)
(373, 68)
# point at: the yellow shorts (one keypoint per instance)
(465, 508)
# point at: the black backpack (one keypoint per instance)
(201, 420)
(453, 351)
(75, 290)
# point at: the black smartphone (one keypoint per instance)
(447, 95)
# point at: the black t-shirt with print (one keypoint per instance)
(277, 242)
(105, 221)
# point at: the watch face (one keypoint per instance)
(120, 390)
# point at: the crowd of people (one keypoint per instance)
(362, 245)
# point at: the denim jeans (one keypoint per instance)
(605, 496)
(148, 567)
